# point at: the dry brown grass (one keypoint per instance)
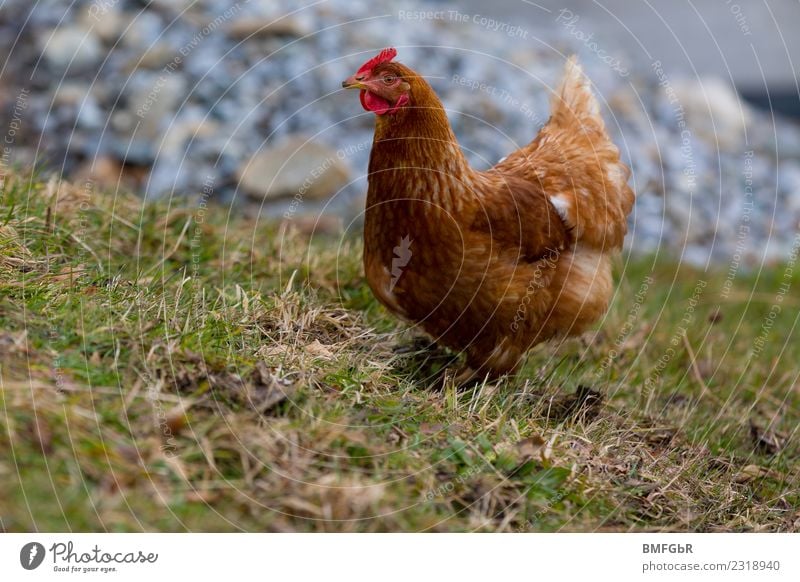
(162, 373)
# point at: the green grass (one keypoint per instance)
(172, 368)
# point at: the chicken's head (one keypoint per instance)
(383, 84)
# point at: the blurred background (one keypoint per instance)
(241, 103)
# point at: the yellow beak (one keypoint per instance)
(354, 82)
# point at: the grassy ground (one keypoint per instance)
(177, 368)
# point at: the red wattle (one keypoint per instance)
(379, 105)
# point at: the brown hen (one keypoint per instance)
(490, 263)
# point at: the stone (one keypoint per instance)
(789, 180)
(104, 173)
(714, 110)
(90, 116)
(144, 29)
(70, 94)
(71, 46)
(157, 56)
(243, 28)
(104, 19)
(154, 102)
(296, 167)
(184, 130)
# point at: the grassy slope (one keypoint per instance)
(145, 353)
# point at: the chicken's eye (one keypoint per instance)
(389, 79)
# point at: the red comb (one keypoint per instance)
(384, 56)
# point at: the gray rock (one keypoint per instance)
(104, 19)
(90, 116)
(144, 28)
(157, 56)
(714, 110)
(789, 180)
(154, 101)
(296, 167)
(188, 129)
(71, 46)
(70, 94)
(255, 28)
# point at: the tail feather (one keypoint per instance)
(574, 98)
(597, 200)
(574, 160)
